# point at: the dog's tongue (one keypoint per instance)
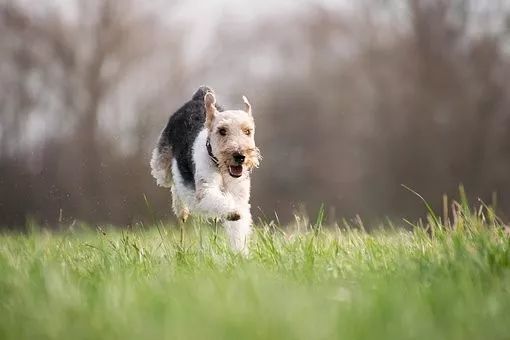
(236, 170)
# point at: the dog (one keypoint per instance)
(205, 155)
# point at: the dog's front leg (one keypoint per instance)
(239, 232)
(213, 202)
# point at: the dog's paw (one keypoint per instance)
(233, 216)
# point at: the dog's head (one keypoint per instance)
(232, 137)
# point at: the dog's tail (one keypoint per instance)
(161, 161)
(201, 92)
(200, 95)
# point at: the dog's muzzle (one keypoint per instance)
(238, 158)
(237, 169)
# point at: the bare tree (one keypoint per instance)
(351, 101)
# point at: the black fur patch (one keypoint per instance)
(181, 131)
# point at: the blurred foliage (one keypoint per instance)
(448, 279)
(350, 102)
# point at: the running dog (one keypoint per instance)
(205, 155)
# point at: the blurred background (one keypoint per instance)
(352, 99)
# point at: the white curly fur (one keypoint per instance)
(217, 192)
(216, 195)
(160, 167)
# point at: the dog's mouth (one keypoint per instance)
(235, 170)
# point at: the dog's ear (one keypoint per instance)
(210, 107)
(247, 106)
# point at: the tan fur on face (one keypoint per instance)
(240, 132)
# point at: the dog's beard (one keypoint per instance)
(228, 166)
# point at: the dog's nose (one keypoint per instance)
(238, 157)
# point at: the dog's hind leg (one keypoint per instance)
(181, 212)
(161, 162)
(180, 209)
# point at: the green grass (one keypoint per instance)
(445, 280)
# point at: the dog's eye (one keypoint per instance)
(247, 132)
(222, 131)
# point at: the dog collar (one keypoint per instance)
(209, 151)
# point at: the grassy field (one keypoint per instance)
(438, 281)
